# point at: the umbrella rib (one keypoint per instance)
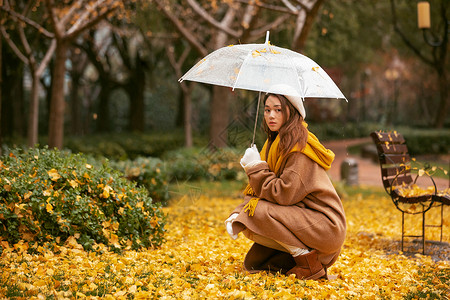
(237, 77)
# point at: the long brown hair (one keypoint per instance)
(292, 132)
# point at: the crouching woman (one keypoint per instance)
(291, 209)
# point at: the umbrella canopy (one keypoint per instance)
(263, 68)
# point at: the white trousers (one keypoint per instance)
(274, 244)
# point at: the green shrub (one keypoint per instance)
(122, 146)
(342, 130)
(422, 141)
(50, 197)
(185, 164)
(149, 173)
(202, 163)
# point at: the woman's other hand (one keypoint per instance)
(228, 223)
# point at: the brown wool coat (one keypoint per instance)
(299, 207)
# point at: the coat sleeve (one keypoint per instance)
(288, 188)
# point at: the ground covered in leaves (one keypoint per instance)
(199, 261)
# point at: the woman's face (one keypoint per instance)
(273, 113)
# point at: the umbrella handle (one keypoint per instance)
(256, 120)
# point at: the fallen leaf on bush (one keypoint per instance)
(54, 175)
(49, 207)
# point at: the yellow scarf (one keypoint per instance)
(313, 149)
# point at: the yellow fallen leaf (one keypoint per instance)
(49, 207)
(54, 175)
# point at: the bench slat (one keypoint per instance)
(390, 159)
(392, 148)
(393, 171)
(388, 181)
(391, 137)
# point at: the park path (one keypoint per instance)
(368, 171)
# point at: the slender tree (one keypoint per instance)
(67, 23)
(25, 51)
(207, 26)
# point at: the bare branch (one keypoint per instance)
(45, 61)
(71, 34)
(85, 16)
(68, 15)
(26, 20)
(290, 6)
(13, 46)
(27, 48)
(207, 17)
(183, 30)
(59, 30)
(268, 6)
(268, 27)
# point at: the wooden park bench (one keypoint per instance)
(399, 181)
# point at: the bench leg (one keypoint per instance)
(423, 233)
(403, 228)
(442, 219)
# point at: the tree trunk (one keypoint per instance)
(103, 114)
(187, 109)
(136, 88)
(33, 114)
(57, 103)
(179, 119)
(306, 20)
(219, 117)
(75, 109)
(444, 102)
(1, 90)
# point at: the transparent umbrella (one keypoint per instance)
(264, 68)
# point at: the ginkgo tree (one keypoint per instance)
(26, 50)
(63, 22)
(209, 25)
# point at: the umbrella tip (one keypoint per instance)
(267, 36)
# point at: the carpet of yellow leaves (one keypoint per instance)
(200, 261)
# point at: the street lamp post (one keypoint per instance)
(424, 23)
(392, 74)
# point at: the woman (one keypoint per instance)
(291, 209)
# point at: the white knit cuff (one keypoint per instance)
(252, 164)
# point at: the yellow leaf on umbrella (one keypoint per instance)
(274, 51)
(256, 53)
(315, 69)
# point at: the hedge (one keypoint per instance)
(49, 197)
